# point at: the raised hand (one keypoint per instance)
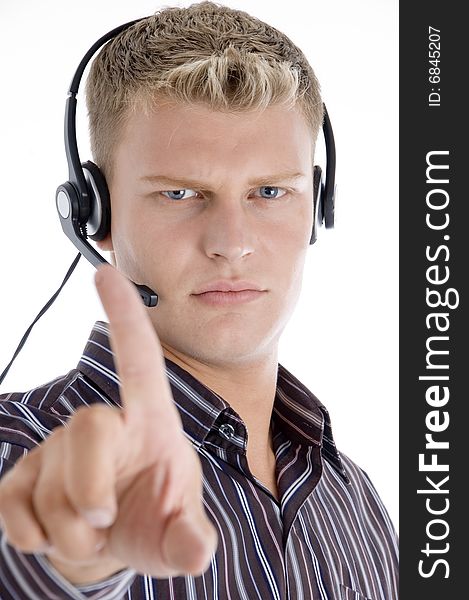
(115, 488)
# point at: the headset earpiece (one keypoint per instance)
(99, 219)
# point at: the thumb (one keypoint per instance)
(189, 542)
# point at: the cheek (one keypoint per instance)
(307, 220)
(294, 252)
(156, 255)
(288, 240)
(135, 228)
(133, 239)
(286, 267)
(295, 269)
(294, 226)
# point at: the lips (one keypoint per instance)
(224, 299)
(228, 292)
(226, 285)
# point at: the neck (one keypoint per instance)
(248, 389)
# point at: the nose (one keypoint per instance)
(228, 230)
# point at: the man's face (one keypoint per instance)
(235, 204)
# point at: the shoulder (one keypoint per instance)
(359, 479)
(28, 417)
(43, 396)
(359, 483)
(361, 497)
(61, 396)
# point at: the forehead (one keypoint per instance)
(196, 137)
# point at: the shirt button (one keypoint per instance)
(227, 431)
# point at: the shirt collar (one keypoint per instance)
(296, 410)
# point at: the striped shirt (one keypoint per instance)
(328, 537)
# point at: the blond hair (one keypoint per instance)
(205, 53)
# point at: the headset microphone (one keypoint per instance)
(84, 206)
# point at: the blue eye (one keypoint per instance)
(178, 193)
(271, 191)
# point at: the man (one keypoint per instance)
(179, 459)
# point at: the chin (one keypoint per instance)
(230, 359)
(232, 348)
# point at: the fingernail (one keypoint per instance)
(99, 517)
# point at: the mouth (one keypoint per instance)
(222, 298)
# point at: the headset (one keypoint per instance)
(83, 202)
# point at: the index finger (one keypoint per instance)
(137, 350)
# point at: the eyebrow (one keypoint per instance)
(188, 182)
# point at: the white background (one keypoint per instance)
(342, 341)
